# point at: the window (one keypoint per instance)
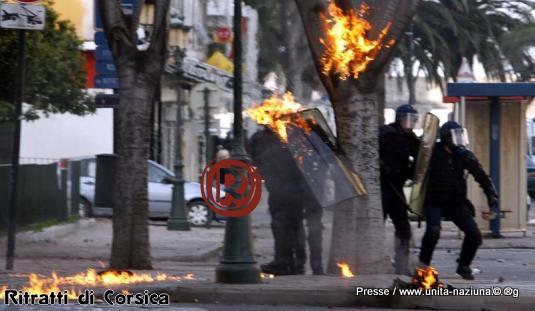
(156, 174)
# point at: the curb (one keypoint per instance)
(337, 294)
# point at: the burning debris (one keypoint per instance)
(277, 113)
(345, 270)
(426, 278)
(39, 284)
(348, 50)
(267, 276)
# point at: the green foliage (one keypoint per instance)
(55, 77)
(499, 32)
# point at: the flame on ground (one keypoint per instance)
(267, 276)
(38, 284)
(348, 50)
(345, 270)
(277, 113)
(426, 278)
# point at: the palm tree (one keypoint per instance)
(499, 33)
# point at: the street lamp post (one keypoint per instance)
(237, 265)
(178, 219)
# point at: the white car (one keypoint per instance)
(159, 191)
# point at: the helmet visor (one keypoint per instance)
(408, 120)
(459, 137)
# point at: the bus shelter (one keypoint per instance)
(495, 116)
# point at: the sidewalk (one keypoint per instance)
(72, 248)
(90, 239)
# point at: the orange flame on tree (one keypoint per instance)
(348, 50)
(277, 113)
(345, 270)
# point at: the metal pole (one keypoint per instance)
(495, 120)
(178, 219)
(206, 96)
(410, 78)
(237, 265)
(12, 226)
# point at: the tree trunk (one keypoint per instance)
(131, 247)
(358, 236)
(139, 72)
(358, 228)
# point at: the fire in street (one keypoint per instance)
(38, 284)
(345, 270)
(348, 50)
(426, 278)
(277, 113)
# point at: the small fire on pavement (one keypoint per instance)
(277, 112)
(426, 278)
(267, 276)
(348, 50)
(39, 284)
(345, 270)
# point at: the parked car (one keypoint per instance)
(159, 190)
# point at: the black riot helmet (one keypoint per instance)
(406, 116)
(453, 134)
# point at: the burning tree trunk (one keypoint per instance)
(139, 72)
(355, 86)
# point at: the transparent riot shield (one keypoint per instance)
(327, 172)
(430, 127)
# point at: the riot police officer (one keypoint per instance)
(281, 176)
(447, 197)
(398, 147)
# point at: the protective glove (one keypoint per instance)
(492, 199)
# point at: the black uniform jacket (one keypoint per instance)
(447, 179)
(395, 148)
(278, 168)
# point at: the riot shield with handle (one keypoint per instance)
(318, 158)
(430, 127)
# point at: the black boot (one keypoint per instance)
(465, 272)
(276, 269)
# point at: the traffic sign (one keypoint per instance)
(128, 9)
(100, 39)
(106, 81)
(103, 53)
(22, 16)
(105, 67)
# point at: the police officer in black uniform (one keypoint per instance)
(446, 195)
(281, 176)
(398, 147)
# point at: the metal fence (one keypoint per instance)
(42, 194)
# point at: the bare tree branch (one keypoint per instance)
(119, 36)
(310, 15)
(134, 22)
(160, 29)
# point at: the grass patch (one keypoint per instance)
(40, 226)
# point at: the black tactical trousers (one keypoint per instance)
(395, 207)
(315, 239)
(461, 216)
(287, 227)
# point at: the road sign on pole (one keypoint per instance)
(22, 16)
